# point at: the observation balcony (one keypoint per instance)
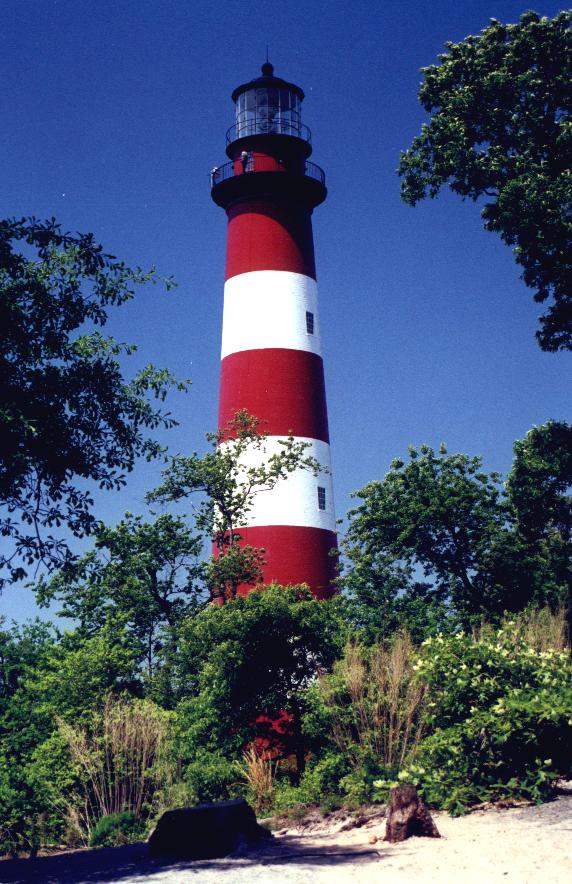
(276, 126)
(264, 163)
(256, 176)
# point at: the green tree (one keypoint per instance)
(540, 480)
(538, 487)
(483, 547)
(22, 649)
(46, 677)
(68, 414)
(501, 129)
(229, 477)
(383, 596)
(437, 512)
(243, 665)
(78, 673)
(147, 573)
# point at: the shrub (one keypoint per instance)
(323, 778)
(120, 756)
(211, 777)
(320, 784)
(258, 772)
(539, 628)
(363, 720)
(252, 657)
(372, 704)
(117, 829)
(500, 713)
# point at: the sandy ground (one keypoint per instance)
(525, 845)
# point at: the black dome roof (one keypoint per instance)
(267, 81)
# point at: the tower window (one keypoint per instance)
(309, 322)
(321, 498)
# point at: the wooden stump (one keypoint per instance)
(407, 815)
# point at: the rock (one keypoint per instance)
(407, 815)
(372, 839)
(207, 830)
(367, 819)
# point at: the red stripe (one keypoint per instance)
(284, 389)
(295, 555)
(269, 235)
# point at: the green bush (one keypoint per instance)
(363, 719)
(117, 829)
(211, 777)
(320, 784)
(324, 777)
(499, 714)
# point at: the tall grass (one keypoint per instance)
(119, 757)
(374, 704)
(539, 628)
(258, 772)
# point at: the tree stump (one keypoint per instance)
(407, 815)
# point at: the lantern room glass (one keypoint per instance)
(266, 111)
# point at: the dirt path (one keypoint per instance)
(528, 845)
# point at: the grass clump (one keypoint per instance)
(117, 829)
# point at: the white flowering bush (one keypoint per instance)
(499, 719)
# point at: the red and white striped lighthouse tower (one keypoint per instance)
(271, 352)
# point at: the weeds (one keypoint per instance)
(258, 773)
(118, 758)
(374, 704)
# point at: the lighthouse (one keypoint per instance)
(271, 359)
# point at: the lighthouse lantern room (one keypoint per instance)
(271, 360)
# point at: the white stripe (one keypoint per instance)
(267, 308)
(293, 500)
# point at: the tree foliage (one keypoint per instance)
(437, 511)
(501, 128)
(539, 488)
(483, 547)
(68, 414)
(540, 480)
(229, 477)
(45, 675)
(147, 573)
(499, 714)
(251, 656)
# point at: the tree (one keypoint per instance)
(539, 486)
(540, 480)
(230, 476)
(437, 512)
(501, 129)
(246, 663)
(68, 414)
(383, 596)
(43, 678)
(23, 650)
(147, 573)
(484, 548)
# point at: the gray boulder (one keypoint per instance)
(207, 830)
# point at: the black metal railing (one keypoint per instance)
(235, 168)
(312, 170)
(276, 126)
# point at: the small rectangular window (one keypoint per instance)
(321, 498)
(309, 322)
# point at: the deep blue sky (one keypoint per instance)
(114, 112)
